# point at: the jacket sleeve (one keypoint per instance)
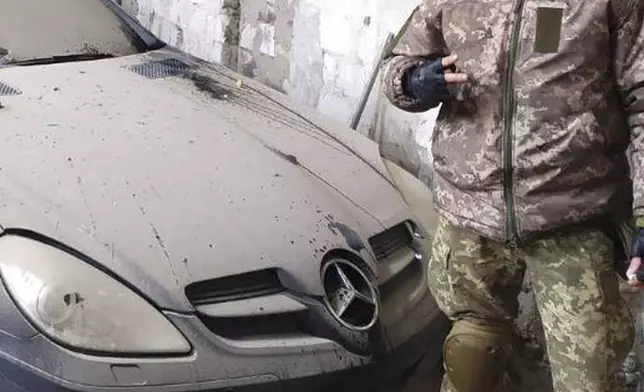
(629, 69)
(419, 39)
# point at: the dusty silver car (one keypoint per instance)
(168, 225)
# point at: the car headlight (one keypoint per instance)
(80, 306)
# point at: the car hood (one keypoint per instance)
(168, 170)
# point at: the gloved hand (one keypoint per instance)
(635, 272)
(428, 81)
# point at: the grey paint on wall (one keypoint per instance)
(266, 37)
(306, 76)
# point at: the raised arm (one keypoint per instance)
(420, 39)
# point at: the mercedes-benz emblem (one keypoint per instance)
(349, 295)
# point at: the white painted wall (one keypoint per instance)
(195, 26)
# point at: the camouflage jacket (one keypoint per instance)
(537, 139)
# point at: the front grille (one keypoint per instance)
(411, 273)
(234, 288)
(289, 327)
(388, 242)
(256, 327)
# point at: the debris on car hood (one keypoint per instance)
(169, 170)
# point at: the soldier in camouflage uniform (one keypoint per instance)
(530, 172)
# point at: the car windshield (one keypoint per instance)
(38, 29)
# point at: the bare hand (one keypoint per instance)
(452, 76)
(631, 273)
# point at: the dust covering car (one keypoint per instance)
(169, 225)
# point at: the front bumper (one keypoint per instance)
(321, 368)
(409, 324)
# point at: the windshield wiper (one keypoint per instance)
(61, 59)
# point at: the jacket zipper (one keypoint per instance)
(508, 175)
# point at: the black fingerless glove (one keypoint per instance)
(426, 83)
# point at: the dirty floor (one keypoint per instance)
(425, 378)
(533, 377)
(531, 374)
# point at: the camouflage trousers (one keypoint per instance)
(588, 326)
